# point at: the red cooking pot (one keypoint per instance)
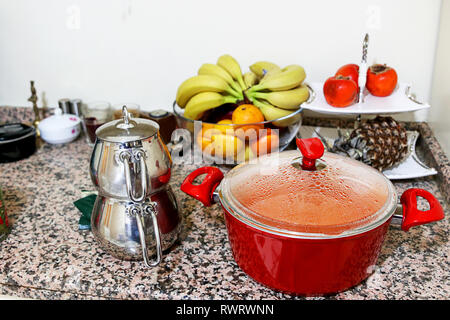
(305, 226)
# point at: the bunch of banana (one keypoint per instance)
(271, 112)
(262, 67)
(232, 66)
(289, 99)
(204, 101)
(250, 79)
(287, 78)
(277, 92)
(203, 83)
(215, 85)
(215, 70)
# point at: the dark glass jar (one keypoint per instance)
(165, 119)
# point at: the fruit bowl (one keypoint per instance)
(231, 144)
(235, 116)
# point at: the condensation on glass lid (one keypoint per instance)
(339, 197)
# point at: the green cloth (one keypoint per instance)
(85, 205)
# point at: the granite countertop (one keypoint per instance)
(46, 257)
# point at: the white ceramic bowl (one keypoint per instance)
(60, 128)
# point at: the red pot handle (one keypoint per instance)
(412, 216)
(203, 191)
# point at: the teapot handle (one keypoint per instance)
(139, 211)
(141, 228)
(125, 157)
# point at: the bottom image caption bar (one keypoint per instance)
(226, 309)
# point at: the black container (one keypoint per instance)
(17, 141)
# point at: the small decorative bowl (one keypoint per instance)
(59, 128)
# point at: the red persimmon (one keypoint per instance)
(381, 80)
(349, 70)
(340, 91)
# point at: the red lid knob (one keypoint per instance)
(311, 149)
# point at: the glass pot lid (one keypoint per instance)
(127, 129)
(338, 197)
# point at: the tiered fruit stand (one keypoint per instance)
(400, 101)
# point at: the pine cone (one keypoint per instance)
(381, 143)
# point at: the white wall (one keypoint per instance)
(136, 50)
(440, 94)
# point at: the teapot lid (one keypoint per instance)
(127, 129)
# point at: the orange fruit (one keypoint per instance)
(246, 155)
(248, 114)
(224, 126)
(267, 142)
(202, 142)
(214, 139)
(226, 145)
(206, 125)
(204, 137)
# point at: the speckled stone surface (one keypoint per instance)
(46, 257)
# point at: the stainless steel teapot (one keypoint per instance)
(136, 213)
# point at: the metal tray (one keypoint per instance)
(412, 167)
(401, 100)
